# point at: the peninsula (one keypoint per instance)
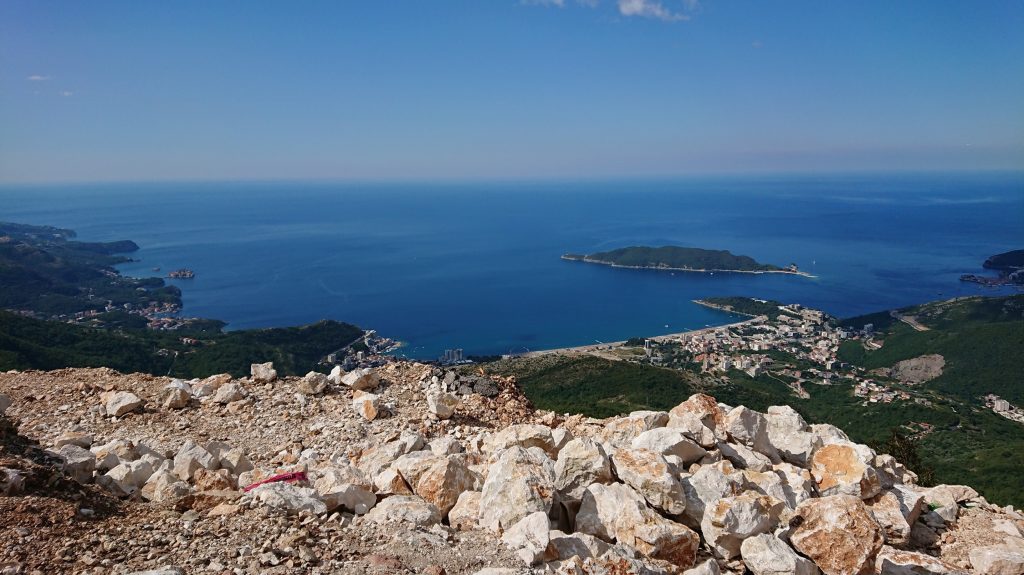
(675, 258)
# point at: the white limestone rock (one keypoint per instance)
(838, 533)
(406, 509)
(228, 393)
(289, 497)
(744, 457)
(313, 383)
(706, 486)
(692, 427)
(750, 428)
(651, 476)
(464, 514)
(336, 374)
(443, 482)
(524, 435)
(529, 538)
(617, 513)
(580, 463)
(730, 520)
(669, 441)
(367, 405)
(766, 554)
(788, 433)
(892, 561)
(79, 463)
(361, 379)
(841, 469)
(190, 458)
(235, 461)
(263, 372)
(621, 431)
(119, 403)
(997, 560)
(345, 487)
(520, 482)
(441, 403)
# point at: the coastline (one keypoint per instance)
(697, 270)
(595, 347)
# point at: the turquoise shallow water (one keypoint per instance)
(477, 265)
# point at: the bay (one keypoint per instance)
(476, 265)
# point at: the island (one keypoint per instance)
(675, 258)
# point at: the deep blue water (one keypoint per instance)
(477, 265)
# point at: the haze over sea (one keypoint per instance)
(477, 266)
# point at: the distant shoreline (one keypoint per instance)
(589, 260)
(594, 347)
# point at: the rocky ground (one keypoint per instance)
(410, 469)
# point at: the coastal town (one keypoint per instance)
(797, 346)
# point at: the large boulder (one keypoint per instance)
(345, 487)
(896, 510)
(263, 372)
(669, 441)
(997, 560)
(581, 462)
(766, 554)
(380, 457)
(405, 509)
(706, 486)
(651, 476)
(704, 407)
(892, 561)
(313, 383)
(621, 431)
(176, 395)
(289, 497)
(361, 379)
(367, 405)
(164, 486)
(744, 457)
(838, 533)
(787, 432)
(750, 428)
(691, 426)
(192, 457)
(336, 374)
(441, 403)
(228, 393)
(730, 520)
(520, 482)
(235, 461)
(464, 513)
(618, 514)
(841, 469)
(79, 463)
(524, 435)
(529, 538)
(443, 482)
(565, 546)
(118, 403)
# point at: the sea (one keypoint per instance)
(477, 266)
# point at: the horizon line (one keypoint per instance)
(469, 180)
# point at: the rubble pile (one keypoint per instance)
(414, 469)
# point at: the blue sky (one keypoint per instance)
(494, 89)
